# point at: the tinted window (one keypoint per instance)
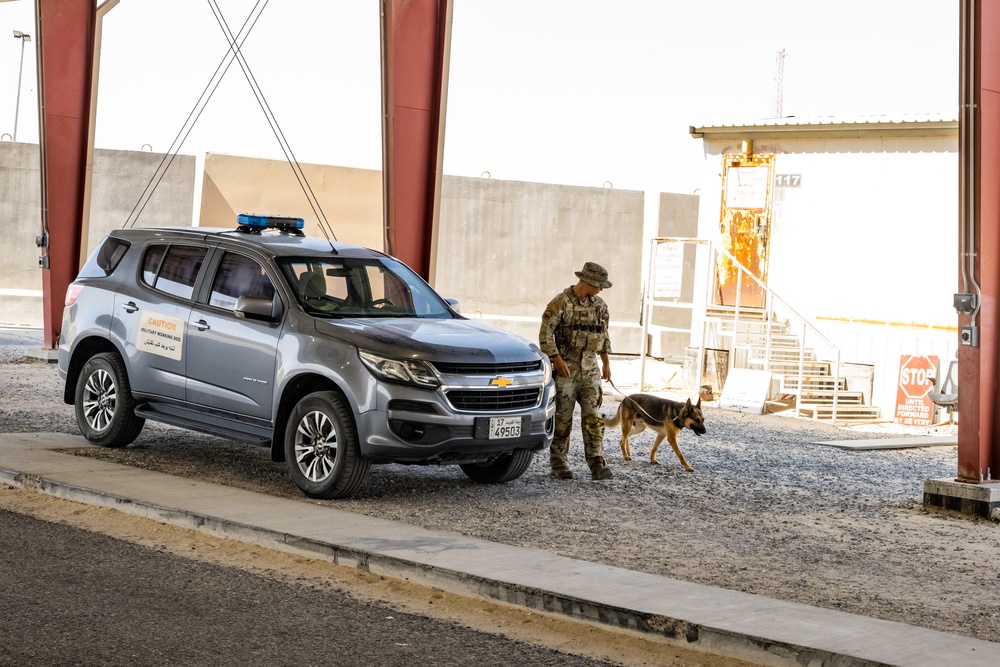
(239, 276)
(354, 287)
(106, 259)
(151, 263)
(177, 270)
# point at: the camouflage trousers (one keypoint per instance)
(583, 387)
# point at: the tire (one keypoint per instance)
(321, 447)
(105, 409)
(500, 470)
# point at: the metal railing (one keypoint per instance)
(667, 282)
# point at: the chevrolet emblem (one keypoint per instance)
(501, 382)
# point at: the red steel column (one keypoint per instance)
(65, 31)
(415, 36)
(979, 427)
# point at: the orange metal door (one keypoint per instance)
(745, 227)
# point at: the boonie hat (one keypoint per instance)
(595, 274)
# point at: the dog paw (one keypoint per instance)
(654, 462)
(689, 469)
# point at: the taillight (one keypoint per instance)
(72, 293)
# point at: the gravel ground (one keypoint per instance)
(765, 511)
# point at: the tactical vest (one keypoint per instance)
(581, 331)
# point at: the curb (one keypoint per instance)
(697, 617)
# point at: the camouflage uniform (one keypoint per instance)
(577, 329)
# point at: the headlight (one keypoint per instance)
(547, 369)
(396, 370)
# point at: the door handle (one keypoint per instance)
(202, 325)
(130, 307)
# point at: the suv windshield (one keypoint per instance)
(356, 287)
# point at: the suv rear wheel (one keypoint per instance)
(499, 470)
(321, 447)
(104, 403)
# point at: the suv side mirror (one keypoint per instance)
(454, 304)
(258, 308)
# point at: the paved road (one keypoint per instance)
(73, 597)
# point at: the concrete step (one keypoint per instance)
(754, 327)
(777, 340)
(784, 353)
(780, 353)
(791, 367)
(823, 397)
(844, 412)
(729, 313)
(790, 383)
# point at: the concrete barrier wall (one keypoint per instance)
(350, 198)
(119, 179)
(505, 248)
(20, 223)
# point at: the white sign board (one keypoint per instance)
(745, 391)
(669, 270)
(746, 187)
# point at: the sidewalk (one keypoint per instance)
(716, 621)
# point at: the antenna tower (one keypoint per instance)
(779, 84)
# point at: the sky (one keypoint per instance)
(576, 92)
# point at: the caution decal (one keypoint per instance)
(161, 334)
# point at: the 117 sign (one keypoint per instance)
(787, 180)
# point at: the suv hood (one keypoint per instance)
(431, 339)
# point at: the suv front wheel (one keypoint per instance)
(104, 403)
(321, 447)
(499, 470)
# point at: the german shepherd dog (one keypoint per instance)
(665, 417)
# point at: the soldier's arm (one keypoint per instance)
(606, 319)
(547, 332)
(606, 347)
(547, 337)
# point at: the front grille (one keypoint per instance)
(449, 368)
(492, 401)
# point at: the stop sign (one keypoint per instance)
(916, 376)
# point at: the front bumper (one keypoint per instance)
(410, 425)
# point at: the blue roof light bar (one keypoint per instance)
(252, 222)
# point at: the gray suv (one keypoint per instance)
(337, 356)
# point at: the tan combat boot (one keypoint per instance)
(600, 471)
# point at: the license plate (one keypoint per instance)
(504, 427)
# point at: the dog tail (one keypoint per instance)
(613, 422)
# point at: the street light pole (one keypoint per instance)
(24, 37)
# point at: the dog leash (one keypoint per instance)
(649, 419)
(617, 389)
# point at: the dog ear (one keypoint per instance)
(699, 402)
(688, 404)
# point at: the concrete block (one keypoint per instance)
(974, 499)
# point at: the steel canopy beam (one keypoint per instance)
(65, 48)
(415, 46)
(979, 256)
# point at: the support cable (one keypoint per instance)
(193, 117)
(275, 127)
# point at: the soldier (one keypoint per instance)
(574, 331)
